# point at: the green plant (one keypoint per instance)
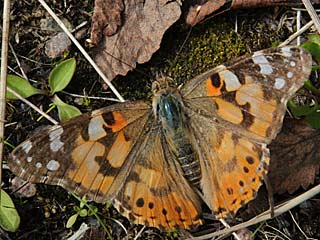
(82, 212)
(9, 217)
(59, 78)
(311, 110)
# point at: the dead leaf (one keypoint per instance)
(106, 19)
(295, 157)
(140, 34)
(198, 12)
(264, 3)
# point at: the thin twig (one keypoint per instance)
(18, 62)
(4, 64)
(296, 34)
(312, 13)
(278, 210)
(91, 97)
(295, 222)
(85, 54)
(32, 106)
(298, 27)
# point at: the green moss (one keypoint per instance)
(214, 42)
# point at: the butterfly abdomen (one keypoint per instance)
(173, 121)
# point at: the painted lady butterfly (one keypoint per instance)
(149, 158)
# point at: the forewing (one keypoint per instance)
(249, 95)
(87, 155)
(155, 192)
(234, 111)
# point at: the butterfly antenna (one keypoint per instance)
(129, 65)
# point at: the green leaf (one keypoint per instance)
(76, 209)
(72, 220)
(315, 38)
(313, 48)
(314, 119)
(92, 210)
(65, 111)
(21, 86)
(83, 201)
(9, 217)
(83, 213)
(304, 110)
(61, 75)
(308, 85)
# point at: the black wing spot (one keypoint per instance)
(215, 80)
(164, 211)
(178, 209)
(108, 118)
(250, 159)
(241, 183)
(140, 202)
(150, 205)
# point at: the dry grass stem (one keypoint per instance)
(82, 50)
(279, 209)
(4, 69)
(32, 106)
(312, 13)
(296, 34)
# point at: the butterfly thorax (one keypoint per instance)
(168, 110)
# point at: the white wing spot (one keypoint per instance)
(289, 74)
(55, 133)
(18, 161)
(279, 83)
(262, 61)
(286, 51)
(292, 63)
(38, 165)
(95, 128)
(53, 165)
(56, 145)
(29, 159)
(26, 146)
(231, 80)
(54, 138)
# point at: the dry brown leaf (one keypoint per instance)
(140, 34)
(264, 3)
(198, 12)
(106, 19)
(295, 157)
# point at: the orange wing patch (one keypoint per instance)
(229, 111)
(151, 201)
(240, 172)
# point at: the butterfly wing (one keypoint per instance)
(115, 153)
(155, 192)
(86, 155)
(234, 111)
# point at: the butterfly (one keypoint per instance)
(159, 160)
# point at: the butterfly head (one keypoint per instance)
(163, 85)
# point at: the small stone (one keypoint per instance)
(57, 45)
